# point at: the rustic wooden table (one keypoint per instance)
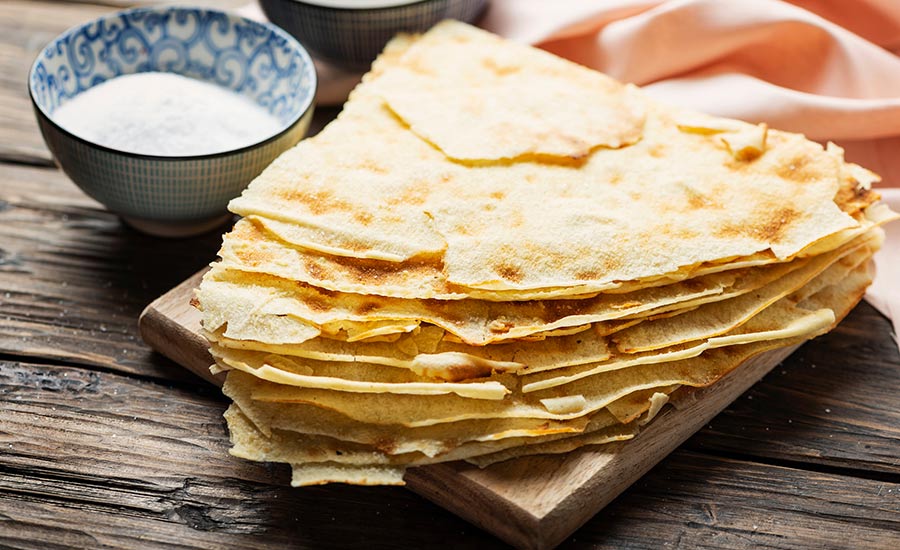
(104, 443)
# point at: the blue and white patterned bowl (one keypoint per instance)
(351, 33)
(173, 196)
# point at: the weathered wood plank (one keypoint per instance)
(73, 278)
(25, 28)
(92, 459)
(834, 402)
(694, 500)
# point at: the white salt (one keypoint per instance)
(166, 114)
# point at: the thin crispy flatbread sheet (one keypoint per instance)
(390, 248)
(251, 444)
(320, 458)
(280, 445)
(355, 331)
(644, 405)
(567, 445)
(449, 271)
(629, 408)
(304, 475)
(354, 373)
(336, 237)
(249, 248)
(351, 377)
(569, 232)
(869, 218)
(283, 446)
(440, 359)
(718, 318)
(476, 322)
(604, 244)
(849, 290)
(422, 353)
(826, 292)
(783, 319)
(796, 325)
(591, 346)
(492, 359)
(237, 313)
(597, 391)
(834, 280)
(464, 108)
(852, 287)
(428, 440)
(578, 349)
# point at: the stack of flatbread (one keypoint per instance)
(494, 252)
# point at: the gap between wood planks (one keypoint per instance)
(189, 383)
(808, 466)
(699, 503)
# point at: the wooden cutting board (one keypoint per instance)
(531, 502)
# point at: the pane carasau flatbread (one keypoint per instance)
(493, 253)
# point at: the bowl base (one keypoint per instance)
(173, 230)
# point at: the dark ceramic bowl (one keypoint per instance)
(351, 33)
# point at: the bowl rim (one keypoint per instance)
(309, 102)
(390, 5)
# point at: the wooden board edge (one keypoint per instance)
(173, 339)
(692, 409)
(443, 485)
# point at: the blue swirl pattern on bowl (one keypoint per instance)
(351, 37)
(255, 59)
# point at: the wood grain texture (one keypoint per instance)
(74, 279)
(695, 501)
(104, 460)
(180, 342)
(25, 28)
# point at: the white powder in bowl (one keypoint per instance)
(165, 114)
